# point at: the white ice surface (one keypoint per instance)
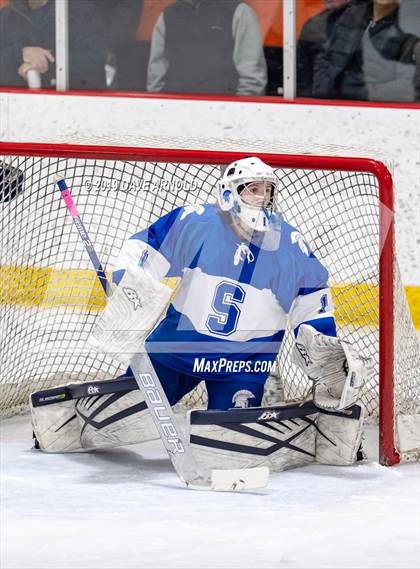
(125, 508)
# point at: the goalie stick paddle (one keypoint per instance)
(161, 411)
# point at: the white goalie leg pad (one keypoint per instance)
(337, 370)
(111, 422)
(54, 421)
(279, 437)
(339, 436)
(102, 414)
(132, 311)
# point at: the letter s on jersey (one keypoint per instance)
(225, 302)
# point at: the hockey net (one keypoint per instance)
(50, 298)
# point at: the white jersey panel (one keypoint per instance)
(260, 314)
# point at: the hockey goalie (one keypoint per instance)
(243, 272)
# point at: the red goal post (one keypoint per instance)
(310, 168)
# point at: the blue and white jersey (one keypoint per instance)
(234, 298)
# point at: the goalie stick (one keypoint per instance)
(161, 411)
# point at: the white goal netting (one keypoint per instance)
(50, 299)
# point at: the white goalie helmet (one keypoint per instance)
(248, 191)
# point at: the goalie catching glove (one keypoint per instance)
(336, 369)
(132, 311)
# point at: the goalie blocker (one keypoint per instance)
(105, 414)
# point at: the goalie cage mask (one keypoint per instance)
(232, 186)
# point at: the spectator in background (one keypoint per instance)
(391, 60)
(313, 40)
(365, 33)
(126, 56)
(207, 46)
(27, 41)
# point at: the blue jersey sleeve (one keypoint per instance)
(312, 302)
(154, 249)
(164, 248)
